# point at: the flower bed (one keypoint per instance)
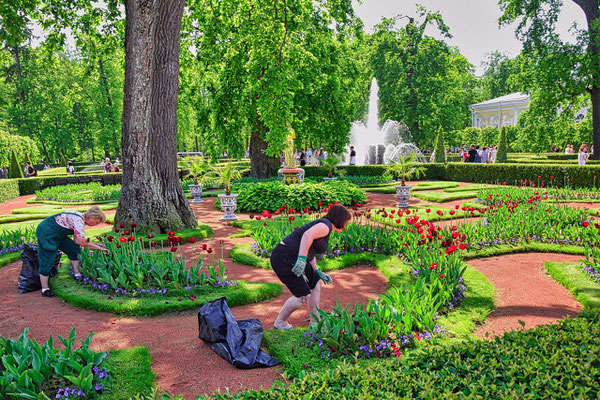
(130, 270)
(12, 241)
(33, 371)
(77, 193)
(531, 194)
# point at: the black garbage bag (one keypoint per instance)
(238, 342)
(29, 277)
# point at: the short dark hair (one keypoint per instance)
(28, 163)
(338, 215)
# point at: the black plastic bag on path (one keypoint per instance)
(238, 342)
(29, 277)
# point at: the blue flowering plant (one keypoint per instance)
(13, 240)
(30, 370)
(591, 264)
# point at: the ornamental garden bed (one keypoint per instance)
(131, 280)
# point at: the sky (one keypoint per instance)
(473, 23)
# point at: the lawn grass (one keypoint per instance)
(79, 295)
(130, 373)
(388, 188)
(13, 226)
(440, 197)
(469, 188)
(9, 257)
(571, 276)
(530, 247)
(45, 209)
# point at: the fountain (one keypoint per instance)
(290, 173)
(381, 146)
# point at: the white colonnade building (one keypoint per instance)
(499, 112)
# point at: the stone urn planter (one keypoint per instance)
(329, 179)
(403, 194)
(196, 192)
(291, 176)
(228, 205)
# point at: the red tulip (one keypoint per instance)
(433, 266)
(110, 238)
(116, 230)
(153, 243)
(174, 249)
(121, 225)
(122, 239)
(127, 232)
(209, 250)
(192, 239)
(133, 224)
(462, 246)
(131, 238)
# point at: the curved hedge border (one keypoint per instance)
(73, 292)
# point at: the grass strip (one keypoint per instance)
(69, 203)
(440, 197)
(7, 258)
(422, 213)
(469, 188)
(78, 295)
(571, 276)
(130, 373)
(529, 247)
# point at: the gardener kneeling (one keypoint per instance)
(53, 234)
(294, 262)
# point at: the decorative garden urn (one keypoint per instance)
(228, 205)
(403, 194)
(196, 192)
(291, 176)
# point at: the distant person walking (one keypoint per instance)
(477, 155)
(29, 170)
(583, 155)
(302, 158)
(70, 168)
(352, 156)
(484, 155)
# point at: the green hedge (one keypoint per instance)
(563, 174)
(9, 189)
(551, 361)
(432, 171)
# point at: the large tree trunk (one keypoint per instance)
(151, 194)
(261, 165)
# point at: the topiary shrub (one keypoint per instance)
(440, 148)
(15, 171)
(502, 155)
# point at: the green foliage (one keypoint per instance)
(15, 170)
(423, 81)
(274, 195)
(14, 239)
(15, 143)
(501, 156)
(131, 373)
(85, 192)
(566, 351)
(224, 175)
(440, 147)
(9, 189)
(30, 369)
(196, 168)
(406, 168)
(571, 276)
(331, 165)
(441, 197)
(500, 75)
(78, 295)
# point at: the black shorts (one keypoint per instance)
(283, 262)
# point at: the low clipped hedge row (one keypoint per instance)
(9, 189)
(550, 361)
(559, 174)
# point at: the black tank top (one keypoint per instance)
(320, 245)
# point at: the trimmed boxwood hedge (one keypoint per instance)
(9, 189)
(563, 174)
(550, 361)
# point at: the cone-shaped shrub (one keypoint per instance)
(501, 157)
(15, 169)
(440, 148)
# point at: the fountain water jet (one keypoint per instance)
(378, 146)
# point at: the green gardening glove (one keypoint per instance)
(300, 265)
(324, 277)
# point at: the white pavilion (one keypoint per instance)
(499, 112)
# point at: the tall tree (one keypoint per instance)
(569, 70)
(269, 63)
(422, 81)
(151, 194)
(500, 75)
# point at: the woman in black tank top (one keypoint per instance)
(295, 264)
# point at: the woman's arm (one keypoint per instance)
(318, 231)
(90, 245)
